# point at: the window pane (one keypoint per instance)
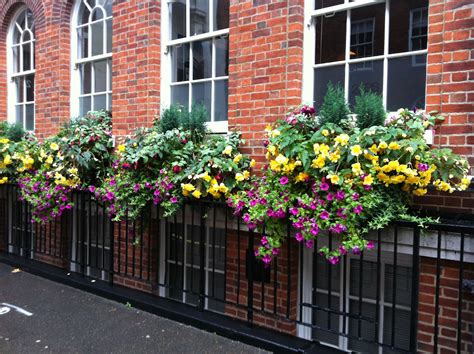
(26, 36)
(369, 279)
(216, 291)
(84, 105)
(368, 74)
(109, 36)
(85, 78)
(330, 38)
(109, 102)
(202, 59)
(84, 14)
(180, 63)
(320, 318)
(109, 74)
(19, 114)
(367, 329)
(367, 31)
(83, 42)
(222, 56)
(29, 116)
(100, 102)
(107, 4)
(97, 14)
(27, 57)
(30, 88)
(178, 19)
(19, 90)
(403, 285)
(180, 95)
(406, 83)
(321, 276)
(97, 36)
(100, 71)
(199, 16)
(21, 20)
(16, 35)
(221, 14)
(202, 95)
(402, 329)
(408, 25)
(16, 59)
(324, 76)
(326, 3)
(221, 101)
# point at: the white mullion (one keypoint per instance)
(104, 36)
(188, 19)
(24, 100)
(385, 54)
(198, 37)
(345, 6)
(347, 56)
(191, 78)
(213, 84)
(92, 85)
(211, 16)
(309, 40)
(32, 56)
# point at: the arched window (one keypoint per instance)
(91, 84)
(21, 69)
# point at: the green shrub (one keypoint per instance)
(176, 116)
(14, 132)
(170, 118)
(369, 109)
(334, 108)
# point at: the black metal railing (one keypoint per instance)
(203, 256)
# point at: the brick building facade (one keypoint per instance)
(249, 61)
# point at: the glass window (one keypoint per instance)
(94, 55)
(22, 69)
(359, 55)
(199, 68)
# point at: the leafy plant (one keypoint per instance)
(13, 132)
(177, 116)
(171, 118)
(334, 108)
(369, 109)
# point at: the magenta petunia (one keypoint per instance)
(358, 209)
(324, 186)
(324, 215)
(284, 180)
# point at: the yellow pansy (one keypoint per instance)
(397, 179)
(7, 160)
(318, 162)
(246, 174)
(420, 191)
(72, 171)
(275, 133)
(54, 146)
(394, 146)
(356, 169)
(368, 180)
(4, 141)
(223, 188)
(275, 166)
(188, 187)
(252, 163)
(205, 176)
(272, 149)
(4, 179)
(239, 177)
(334, 178)
(196, 194)
(356, 150)
(325, 132)
(49, 160)
(282, 160)
(342, 139)
(121, 148)
(301, 177)
(383, 145)
(334, 156)
(227, 150)
(237, 158)
(374, 149)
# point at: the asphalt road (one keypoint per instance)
(40, 316)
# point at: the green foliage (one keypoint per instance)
(170, 118)
(14, 132)
(369, 109)
(334, 108)
(177, 116)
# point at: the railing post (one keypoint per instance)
(81, 232)
(414, 290)
(202, 259)
(112, 250)
(250, 264)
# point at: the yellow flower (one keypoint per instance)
(49, 160)
(325, 132)
(394, 146)
(356, 150)
(301, 177)
(237, 158)
(252, 163)
(121, 148)
(246, 174)
(282, 160)
(272, 149)
(383, 145)
(72, 171)
(4, 179)
(54, 146)
(374, 149)
(383, 177)
(275, 133)
(223, 188)
(334, 178)
(4, 141)
(397, 179)
(356, 169)
(275, 166)
(196, 194)
(318, 162)
(227, 151)
(334, 156)
(205, 176)
(368, 180)
(420, 191)
(188, 187)
(342, 139)
(7, 160)
(239, 177)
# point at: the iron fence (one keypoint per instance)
(395, 298)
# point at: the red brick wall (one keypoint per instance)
(265, 65)
(135, 64)
(447, 310)
(266, 315)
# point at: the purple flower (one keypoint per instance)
(358, 209)
(423, 167)
(314, 230)
(330, 197)
(173, 200)
(333, 260)
(157, 193)
(355, 196)
(340, 195)
(340, 213)
(253, 202)
(264, 240)
(324, 215)
(370, 245)
(91, 189)
(299, 236)
(338, 228)
(342, 250)
(267, 259)
(112, 182)
(324, 186)
(310, 244)
(294, 211)
(136, 187)
(355, 250)
(275, 251)
(284, 180)
(246, 218)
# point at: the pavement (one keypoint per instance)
(41, 316)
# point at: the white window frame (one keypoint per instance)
(76, 82)
(166, 60)
(309, 46)
(20, 74)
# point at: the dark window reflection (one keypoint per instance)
(178, 19)
(180, 58)
(408, 25)
(221, 14)
(330, 38)
(367, 31)
(202, 59)
(369, 74)
(326, 3)
(199, 16)
(322, 77)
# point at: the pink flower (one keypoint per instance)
(324, 186)
(299, 236)
(370, 245)
(358, 209)
(310, 244)
(355, 196)
(177, 169)
(173, 200)
(284, 180)
(294, 211)
(324, 215)
(334, 260)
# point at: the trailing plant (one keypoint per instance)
(345, 182)
(334, 108)
(369, 109)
